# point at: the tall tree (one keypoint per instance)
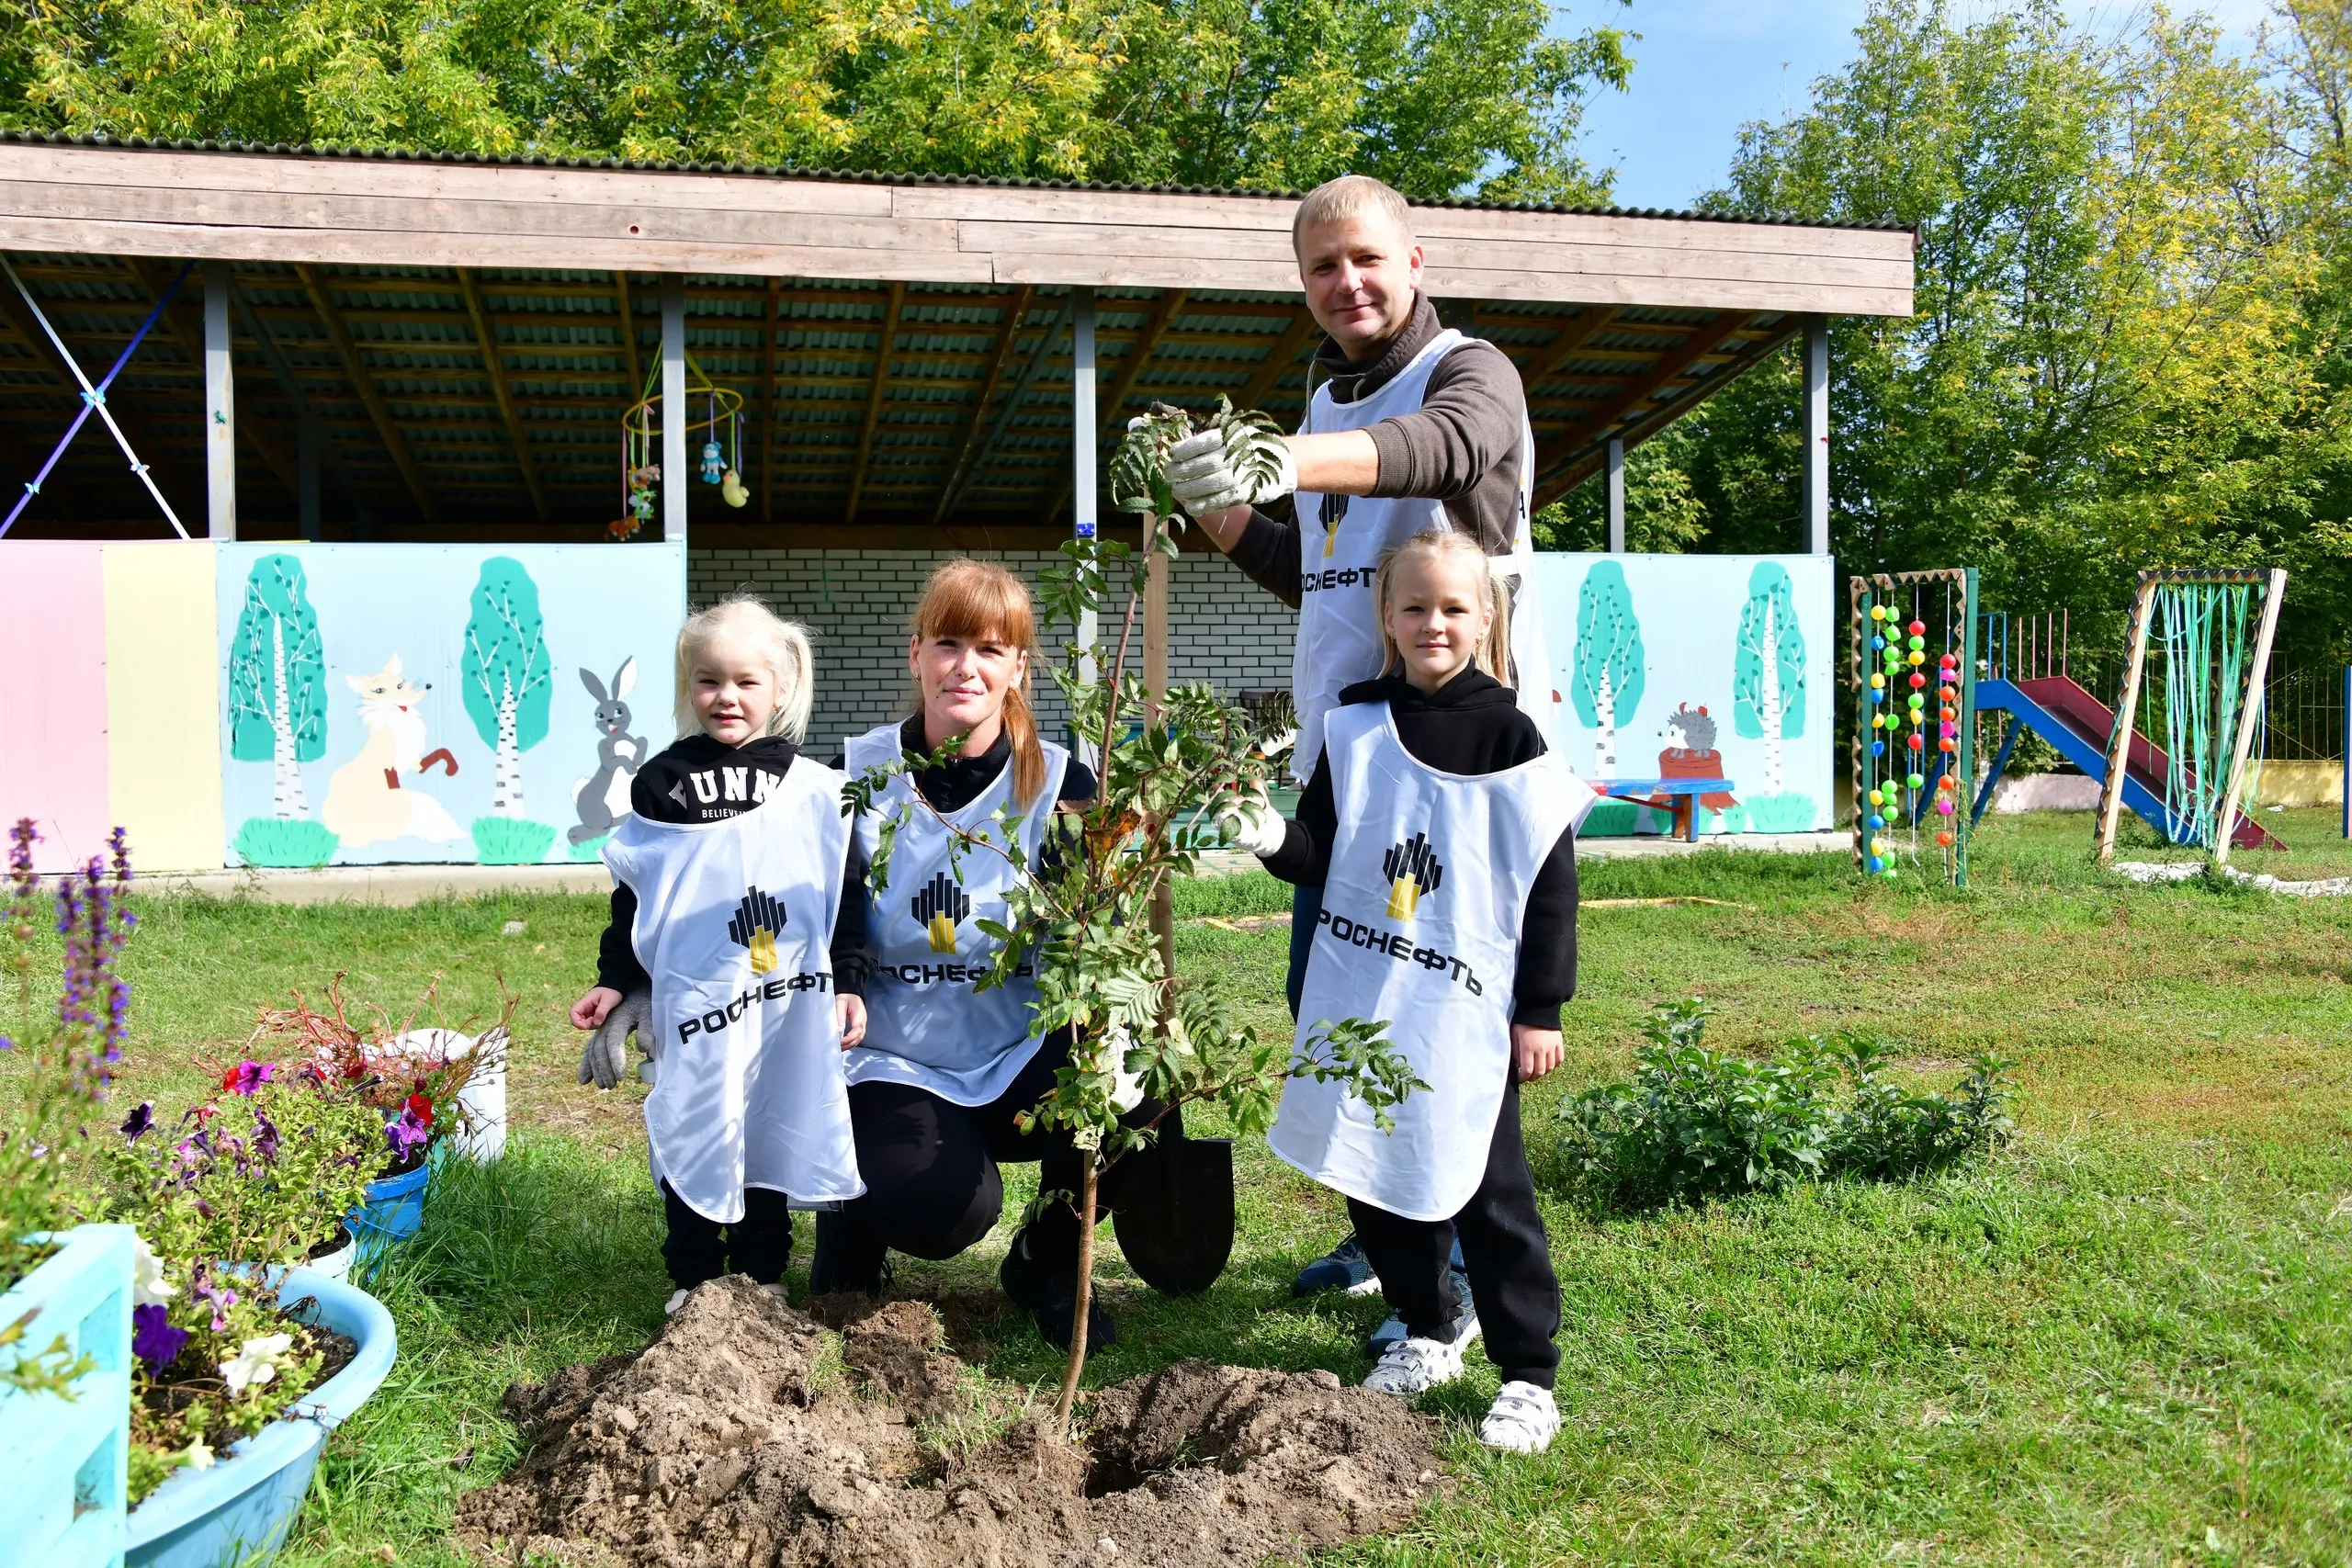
(1606, 685)
(278, 710)
(507, 674)
(1768, 668)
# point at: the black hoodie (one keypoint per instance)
(1472, 725)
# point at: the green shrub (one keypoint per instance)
(268, 841)
(1610, 819)
(511, 841)
(1695, 1124)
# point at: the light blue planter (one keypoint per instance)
(62, 1464)
(394, 1210)
(243, 1506)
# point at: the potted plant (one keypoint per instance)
(65, 1290)
(1085, 915)
(432, 1088)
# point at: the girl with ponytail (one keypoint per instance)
(947, 1068)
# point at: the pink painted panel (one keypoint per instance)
(53, 696)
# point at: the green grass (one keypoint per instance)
(2121, 1341)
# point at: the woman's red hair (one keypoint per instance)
(981, 601)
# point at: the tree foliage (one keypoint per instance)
(1438, 96)
(278, 618)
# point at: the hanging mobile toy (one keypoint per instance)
(712, 465)
(730, 483)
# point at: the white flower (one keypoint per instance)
(256, 1362)
(147, 1286)
(1126, 1088)
(199, 1457)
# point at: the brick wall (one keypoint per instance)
(856, 603)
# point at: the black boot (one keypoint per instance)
(1048, 1292)
(846, 1257)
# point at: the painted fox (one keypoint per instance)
(366, 803)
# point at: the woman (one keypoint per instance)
(945, 1068)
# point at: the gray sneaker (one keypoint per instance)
(1465, 1323)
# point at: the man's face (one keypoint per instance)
(1360, 274)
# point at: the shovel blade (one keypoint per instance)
(1175, 1218)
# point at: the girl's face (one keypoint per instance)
(1439, 612)
(734, 690)
(964, 680)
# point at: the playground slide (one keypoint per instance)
(2062, 713)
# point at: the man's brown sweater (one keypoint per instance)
(1461, 446)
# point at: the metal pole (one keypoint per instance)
(219, 406)
(306, 469)
(675, 480)
(1616, 495)
(1816, 435)
(2346, 733)
(1083, 485)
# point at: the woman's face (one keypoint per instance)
(734, 690)
(964, 680)
(1439, 612)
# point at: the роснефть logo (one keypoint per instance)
(939, 908)
(757, 920)
(1412, 870)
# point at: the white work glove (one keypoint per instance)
(1126, 1088)
(1250, 822)
(606, 1061)
(1201, 476)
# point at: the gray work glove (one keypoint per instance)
(606, 1061)
(1200, 475)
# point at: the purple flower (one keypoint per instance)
(153, 1339)
(265, 1138)
(221, 1297)
(247, 1077)
(406, 1134)
(138, 1121)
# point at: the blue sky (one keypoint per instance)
(1706, 67)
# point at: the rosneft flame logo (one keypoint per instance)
(1333, 509)
(1412, 870)
(757, 920)
(938, 909)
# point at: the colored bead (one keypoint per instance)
(1916, 628)
(1918, 682)
(1878, 611)
(1918, 743)
(1918, 781)
(1878, 748)
(1948, 744)
(1917, 657)
(1948, 782)
(1877, 681)
(1944, 838)
(1878, 642)
(1918, 642)
(1945, 806)
(1877, 821)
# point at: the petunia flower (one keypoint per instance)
(421, 1107)
(152, 1338)
(147, 1286)
(256, 1362)
(406, 1133)
(247, 1077)
(199, 1455)
(136, 1124)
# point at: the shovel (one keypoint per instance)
(1174, 1214)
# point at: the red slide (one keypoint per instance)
(2144, 763)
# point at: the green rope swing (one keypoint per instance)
(2207, 631)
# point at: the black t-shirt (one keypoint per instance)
(696, 779)
(1471, 725)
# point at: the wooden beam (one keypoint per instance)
(883, 348)
(768, 334)
(1580, 468)
(1015, 314)
(183, 320)
(1571, 338)
(1701, 342)
(494, 363)
(628, 337)
(1278, 359)
(362, 383)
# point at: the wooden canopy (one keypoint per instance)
(463, 335)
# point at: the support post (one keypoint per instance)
(2250, 713)
(1816, 435)
(2127, 705)
(1616, 495)
(675, 481)
(306, 469)
(2347, 750)
(219, 406)
(1084, 439)
(1155, 686)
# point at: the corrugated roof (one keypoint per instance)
(866, 176)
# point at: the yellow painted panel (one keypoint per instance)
(164, 704)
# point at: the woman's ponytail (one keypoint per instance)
(1028, 757)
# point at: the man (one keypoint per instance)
(1415, 426)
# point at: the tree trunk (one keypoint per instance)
(1604, 750)
(506, 795)
(1085, 1294)
(287, 802)
(1768, 696)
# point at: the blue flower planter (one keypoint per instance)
(64, 1463)
(243, 1506)
(394, 1210)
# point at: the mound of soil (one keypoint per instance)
(735, 1438)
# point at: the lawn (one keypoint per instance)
(2121, 1340)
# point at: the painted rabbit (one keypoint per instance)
(601, 800)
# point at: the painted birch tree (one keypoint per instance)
(509, 687)
(1768, 690)
(1607, 685)
(278, 711)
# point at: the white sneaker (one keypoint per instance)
(677, 1298)
(1411, 1366)
(1523, 1419)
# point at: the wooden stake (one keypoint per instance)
(2118, 741)
(1155, 686)
(2273, 594)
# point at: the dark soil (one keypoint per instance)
(736, 1438)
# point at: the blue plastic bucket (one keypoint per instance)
(65, 1461)
(244, 1504)
(395, 1209)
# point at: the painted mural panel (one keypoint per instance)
(53, 698)
(1697, 667)
(390, 703)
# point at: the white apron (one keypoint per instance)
(733, 922)
(1421, 926)
(925, 1024)
(1341, 539)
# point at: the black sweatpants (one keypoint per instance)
(1504, 1251)
(932, 1184)
(759, 1243)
